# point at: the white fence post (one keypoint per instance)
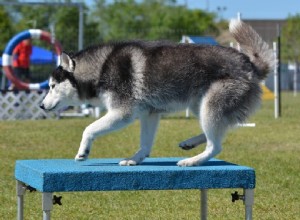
(276, 88)
(295, 78)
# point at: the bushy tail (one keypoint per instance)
(253, 46)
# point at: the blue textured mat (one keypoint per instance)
(58, 175)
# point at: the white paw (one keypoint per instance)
(128, 163)
(81, 157)
(188, 162)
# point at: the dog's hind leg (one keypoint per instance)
(149, 124)
(226, 103)
(214, 140)
(193, 142)
(214, 133)
(214, 125)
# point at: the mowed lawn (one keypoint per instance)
(272, 148)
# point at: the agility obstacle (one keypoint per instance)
(64, 175)
(7, 57)
(22, 104)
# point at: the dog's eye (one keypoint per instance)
(52, 86)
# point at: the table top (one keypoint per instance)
(61, 175)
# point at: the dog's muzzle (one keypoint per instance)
(42, 106)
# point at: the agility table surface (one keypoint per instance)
(65, 175)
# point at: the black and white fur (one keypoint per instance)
(142, 80)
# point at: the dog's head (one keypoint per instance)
(62, 83)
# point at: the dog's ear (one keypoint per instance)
(66, 62)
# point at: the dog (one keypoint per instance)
(137, 79)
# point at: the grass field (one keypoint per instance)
(272, 148)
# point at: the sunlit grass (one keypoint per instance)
(272, 148)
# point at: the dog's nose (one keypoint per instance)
(42, 106)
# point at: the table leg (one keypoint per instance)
(248, 202)
(47, 205)
(203, 210)
(20, 200)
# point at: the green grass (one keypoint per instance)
(272, 148)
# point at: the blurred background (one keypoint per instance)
(78, 24)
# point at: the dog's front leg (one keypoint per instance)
(112, 121)
(149, 124)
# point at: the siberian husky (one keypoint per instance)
(137, 79)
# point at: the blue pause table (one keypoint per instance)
(64, 175)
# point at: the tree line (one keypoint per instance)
(108, 21)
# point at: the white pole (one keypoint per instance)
(80, 27)
(239, 18)
(187, 113)
(295, 79)
(239, 15)
(276, 89)
(251, 125)
(97, 112)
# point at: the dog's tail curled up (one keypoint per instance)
(253, 46)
